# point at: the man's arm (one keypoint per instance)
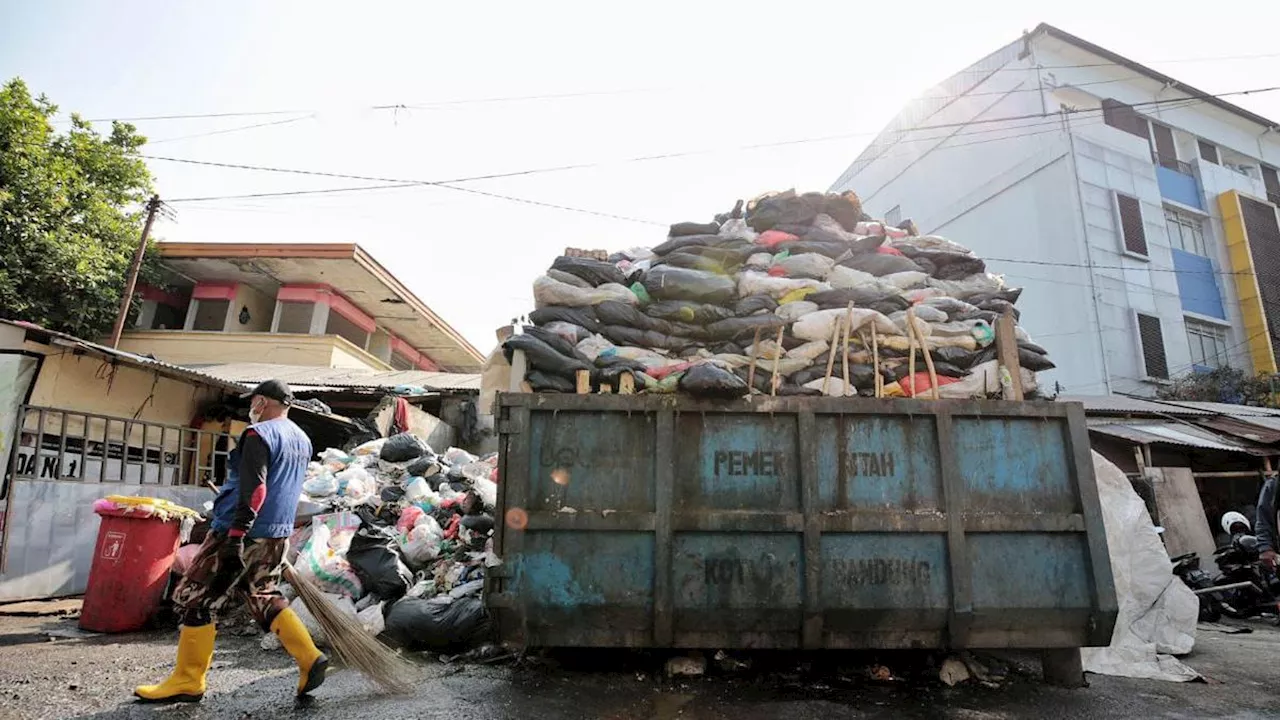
(254, 461)
(1265, 517)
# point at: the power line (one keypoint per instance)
(226, 131)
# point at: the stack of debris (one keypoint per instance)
(402, 537)
(785, 295)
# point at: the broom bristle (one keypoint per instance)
(353, 644)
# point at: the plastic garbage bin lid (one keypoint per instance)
(149, 507)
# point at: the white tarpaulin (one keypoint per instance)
(1158, 613)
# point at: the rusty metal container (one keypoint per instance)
(662, 521)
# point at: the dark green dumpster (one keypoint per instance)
(664, 521)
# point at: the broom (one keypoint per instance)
(353, 644)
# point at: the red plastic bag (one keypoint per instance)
(661, 372)
(777, 271)
(774, 238)
(886, 250)
(919, 384)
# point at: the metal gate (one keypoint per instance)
(62, 460)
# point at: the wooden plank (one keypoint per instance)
(519, 368)
(777, 360)
(831, 355)
(751, 373)
(928, 358)
(627, 384)
(1007, 353)
(584, 382)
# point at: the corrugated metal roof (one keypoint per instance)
(1266, 432)
(1124, 405)
(1175, 434)
(320, 379)
(1236, 411)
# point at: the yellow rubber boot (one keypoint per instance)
(297, 642)
(186, 682)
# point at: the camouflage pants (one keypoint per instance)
(209, 584)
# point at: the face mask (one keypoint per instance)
(255, 413)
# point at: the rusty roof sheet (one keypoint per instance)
(1125, 405)
(1173, 433)
(320, 379)
(1264, 430)
(1236, 411)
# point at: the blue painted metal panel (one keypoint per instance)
(885, 571)
(1198, 284)
(573, 571)
(1024, 571)
(1014, 465)
(727, 571)
(885, 463)
(591, 461)
(1179, 187)
(738, 462)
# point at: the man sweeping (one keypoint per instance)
(244, 552)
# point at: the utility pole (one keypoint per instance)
(153, 206)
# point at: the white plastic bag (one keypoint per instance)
(972, 285)
(844, 278)
(422, 545)
(930, 242)
(760, 261)
(341, 602)
(547, 291)
(372, 619)
(373, 447)
(594, 346)
(809, 351)
(924, 314)
(753, 283)
(359, 476)
(820, 325)
(905, 280)
(737, 229)
(335, 459)
(835, 387)
(806, 265)
(320, 484)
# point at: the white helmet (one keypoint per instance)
(1232, 518)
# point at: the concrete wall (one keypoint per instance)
(196, 348)
(261, 308)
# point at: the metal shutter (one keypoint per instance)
(1153, 357)
(1121, 116)
(1208, 152)
(1264, 245)
(1135, 237)
(1166, 152)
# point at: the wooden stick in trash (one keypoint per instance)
(911, 355)
(848, 327)
(831, 355)
(777, 360)
(875, 360)
(928, 359)
(751, 374)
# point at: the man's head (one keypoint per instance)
(268, 401)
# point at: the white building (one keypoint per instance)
(1139, 213)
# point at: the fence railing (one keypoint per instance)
(57, 444)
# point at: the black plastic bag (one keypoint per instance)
(679, 243)
(427, 464)
(635, 337)
(612, 312)
(712, 381)
(860, 297)
(438, 625)
(684, 311)
(375, 556)
(744, 328)
(557, 342)
(595, 272)
(727, 348)
(542, 356)
(1034, 361)
(947, 265)
(845, 208)
(684, 229)
(753, 304)
(784, 208)
(828, 249)
(546, 382)
(1000, 307)
(1028, 345)
(582, 317)
(403, 448)
(672, 283)
(879, 264)
(689, 261)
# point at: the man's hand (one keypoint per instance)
(1269, 558)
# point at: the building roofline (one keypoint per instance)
(323, 251)
(1063, 35)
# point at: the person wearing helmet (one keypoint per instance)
(1266, 521)
(1234, 523)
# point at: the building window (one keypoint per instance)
(1186, 231)
(1135, 237)
(1123, 117)
(346, 329)
(168, 317)
(894, 216)
(400, 362)
(295, 317)
(1208, 344)
(1166, 151)
(1154, 361)
(1208, 152)
(211, 315)
(1271, 179)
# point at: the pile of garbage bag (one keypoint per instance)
(403, 537)
(788, 294)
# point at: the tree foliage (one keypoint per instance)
(71, 212)
(1224, 385)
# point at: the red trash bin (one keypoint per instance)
(137, 541)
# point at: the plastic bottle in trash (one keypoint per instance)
(416, 490)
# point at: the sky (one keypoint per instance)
(748, 97)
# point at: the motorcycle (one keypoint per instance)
(1249, 588)
(1187, 568)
